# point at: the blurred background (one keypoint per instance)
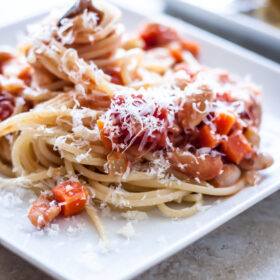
(264, 10)
(253, 24)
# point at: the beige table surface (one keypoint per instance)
(247, 247)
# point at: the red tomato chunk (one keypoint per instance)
(138, 136)
(157, 35)
(72, 196)
(224, 122)
(207, 137)
(6, 105)
(115, 75)
(43, 210)
(236, 147)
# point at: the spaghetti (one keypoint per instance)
(135, 119)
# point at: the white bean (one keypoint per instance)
(257, 162)
(195, 108)
(5, 54)
(204, 167)
(252, 136)
(228, 176)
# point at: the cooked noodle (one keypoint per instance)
(60, 139)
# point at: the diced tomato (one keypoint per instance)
(136, 134)
(72, 196)
(117, 163)
(184, 67)
(157, 35)
(207, 137)
(224, 96)
(5, 55)
(192, 47)
(43, 210)
(236, 147)
(25, 74)
(159, 137)
(7, 105)
(115, 75)
(177, 53)
(104, 138)
(223, 78)
(224, 122)
(17, 68)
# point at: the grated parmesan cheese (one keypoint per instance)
(73, 231)
(53, 230)
(69, 188)
(135, 215)
(127, 230)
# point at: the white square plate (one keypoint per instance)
(74, 251)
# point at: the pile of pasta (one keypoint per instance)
(133, 117)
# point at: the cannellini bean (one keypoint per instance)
(195, 108)
(204, 167)
(5, 54)
(252, 136)
(228, 176)
(256, 111)
(253, 177)
(257, 162)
